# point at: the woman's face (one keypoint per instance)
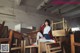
(46, 23)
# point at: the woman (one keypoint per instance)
(46, 29)
(44, 34)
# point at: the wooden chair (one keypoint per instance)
(54, 49)
(75, 41)
(29, 47)
(2, 33)
(42, 47)
(17, 37)
(18, 45)
(49, 47)
(9, 41)
(31, 39)
(1, 28)
(7, 38)
(59, 30)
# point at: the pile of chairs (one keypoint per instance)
(19, 44)
(13, 38)
(47, 47)
(75, 42)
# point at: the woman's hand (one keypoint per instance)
(42, 25)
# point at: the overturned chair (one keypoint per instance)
(59, 30)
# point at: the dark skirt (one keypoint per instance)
(47, 36)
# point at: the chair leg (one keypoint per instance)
(46, 47)
(30, 50)
(39, 47)
(64, 50)
(72, 43)
(22, 46)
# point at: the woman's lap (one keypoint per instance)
(47, 36)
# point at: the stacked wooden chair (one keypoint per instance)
(7, 37)
(17, 42)
(59, 28)
(3, 32)
(58, 33)
(29, 40)
(47, 47)
(75, 42)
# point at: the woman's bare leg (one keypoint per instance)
(39, 35)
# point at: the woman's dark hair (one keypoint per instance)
(47, 20)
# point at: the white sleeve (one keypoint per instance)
(49, 28)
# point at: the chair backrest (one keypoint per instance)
(5, 32)
(7, 40)
(59, 28)
(1, 28)
(17, 35)
(32, 37)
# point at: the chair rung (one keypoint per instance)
(77, 44)
(15, 48)
(55, 48)
(14, 44)
(56, 51)
(30, 46)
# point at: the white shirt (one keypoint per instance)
(46, 30)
